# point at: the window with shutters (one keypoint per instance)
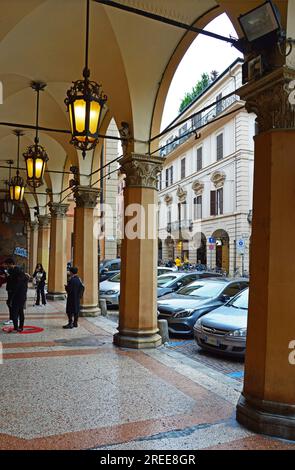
(198, 207)
(220, 201)
(213, 205)
(199, 158)
(219, 147)
(171, 175)
(183, 168)
(167, 177)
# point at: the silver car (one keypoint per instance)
(110, 288)
(224, 329)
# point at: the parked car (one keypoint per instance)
(224, 330)
(165, 270)
(109, 289)
(109, 268)
(172, 282)
(183, 308)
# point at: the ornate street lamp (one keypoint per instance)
(8, 204)
(17, 184)
(85, 101)
(4, 218)
(35, 155)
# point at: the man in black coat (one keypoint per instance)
(10, 268)
(75, 290)
(18, 299)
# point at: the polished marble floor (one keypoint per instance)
(72, 389)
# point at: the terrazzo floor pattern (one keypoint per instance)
(72, 389)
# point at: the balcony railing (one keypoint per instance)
(197, 122)
(180, 225)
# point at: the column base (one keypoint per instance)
(267, 417)
(55, 296)
(136, 339)
(89, 311)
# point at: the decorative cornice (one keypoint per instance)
(218, 178)
(141, 170)
(181, 194)
(86, 197)
(268, 98)
(58, 210)
(198, 187)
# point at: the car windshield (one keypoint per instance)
(202, 289)
(240, 301)
(166, 280)
(115, 278)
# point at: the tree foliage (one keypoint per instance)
(199, 87)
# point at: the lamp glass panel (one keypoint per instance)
(94, 116)
(17, 193)
(22, 193)
(259, 22)
(30, 167)
(80, 115)
(39, 165)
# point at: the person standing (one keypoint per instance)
(18, 299)
(10, 267)
(178, 263)
(39, 278)
(75, 290)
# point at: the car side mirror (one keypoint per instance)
(225, 298)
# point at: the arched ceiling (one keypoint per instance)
(129, 55)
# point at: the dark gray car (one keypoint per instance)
(224, 330)
(172, 282)
(184, 308)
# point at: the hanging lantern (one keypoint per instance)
(8, 206)
(4, 218)
(17, 184)
(35, 155)
(85, 101)
(17, 188)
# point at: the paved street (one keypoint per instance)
(232, 367)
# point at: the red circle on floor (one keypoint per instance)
(26, 331)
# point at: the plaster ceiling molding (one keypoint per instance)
(198, 187)
(168, 199)
(218, 178)
(181, 194)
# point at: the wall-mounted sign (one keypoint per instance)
(21, 252)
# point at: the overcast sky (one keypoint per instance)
(205, 54)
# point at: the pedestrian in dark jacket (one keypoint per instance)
(75, 290)
(39, 278)
(19, 282)
(10, 266)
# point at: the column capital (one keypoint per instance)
(33, 226)
(141, 170)
(86, 197)
(57, 209)
(44, 221)
(268, 98)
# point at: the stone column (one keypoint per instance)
(58, 253)
(33, 246)
(43, 241)
(138, 297)
(267, 404)
(86, 247)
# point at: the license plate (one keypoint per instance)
(212, 341)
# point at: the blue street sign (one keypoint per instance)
(241, 246)
(211, 240)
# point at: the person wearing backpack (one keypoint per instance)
(75, 290)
